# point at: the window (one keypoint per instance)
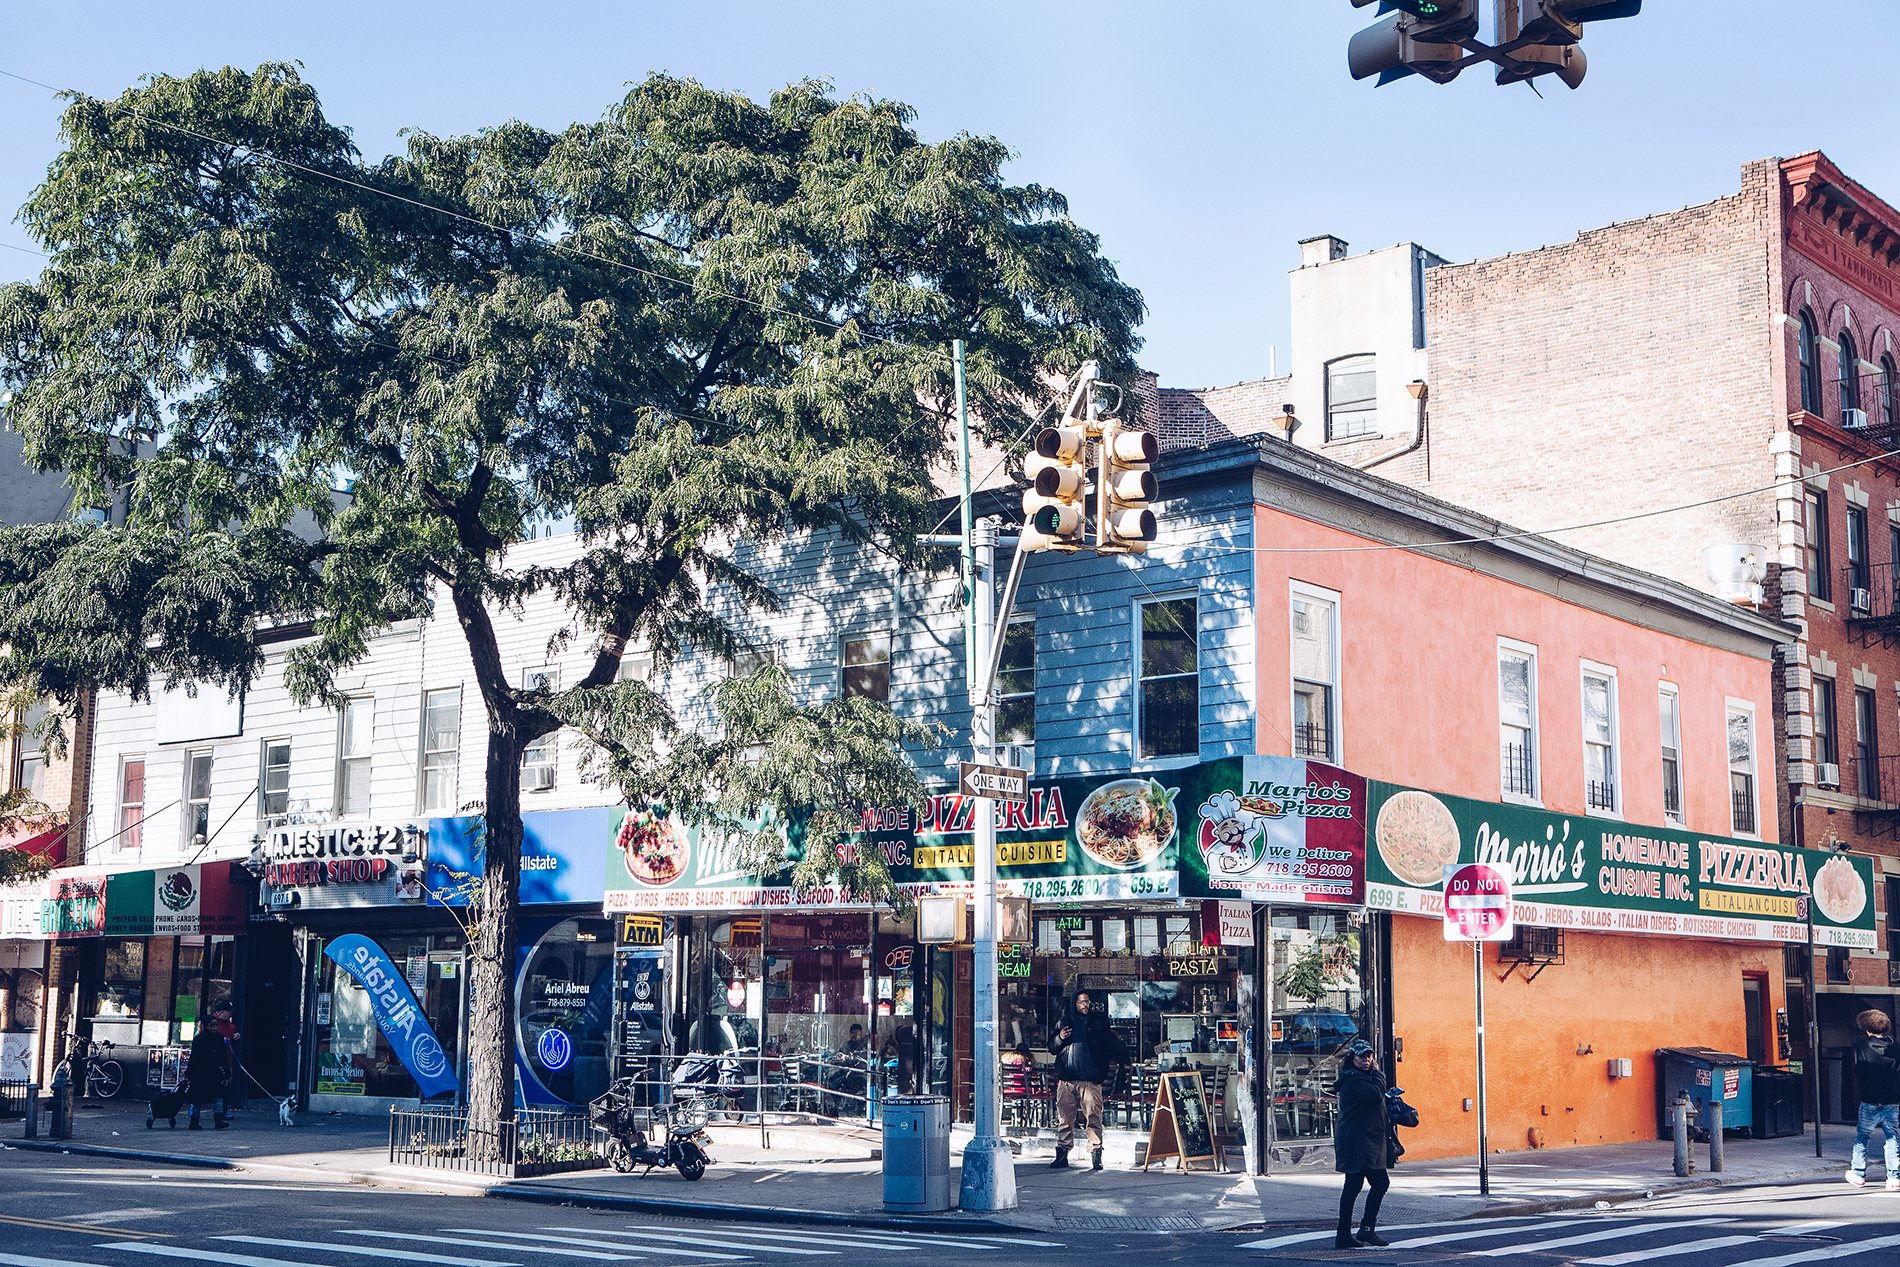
(1810, 366)
(197, 797)
(635, 668)
(29, 771)
(1817, 554)
(1866, 747)
(441, 749)
(1889, 406)
(1741, 769)
(1599, 738)
(132, 803)
(1169, 693)
(1315, 673)
(1827, 749)
(1351, 403)
(1850, 378)
(867, 667)
(1016, 681)
(276, 781)
(746, 663)
(1517, 720)
(540, 760)
(356, 733)
(1669, 706)
(1837, 971)
(1857, 574)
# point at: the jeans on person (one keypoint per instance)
(1887, 1117)
(1073, 1098)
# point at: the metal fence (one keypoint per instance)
(536, 1142)
(13, 1094)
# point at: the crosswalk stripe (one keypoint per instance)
(1669, 1251)
(22, 1260)
(609, 1245)
(1276, 1241)
(450, 1240)
(1802, 1229)
(1828, 1251)
(850, 1240)
(1419, 1241)
(212, 1255)
(407, 1255)
(1524, 1247)
(699, 1240)
(963, 1239)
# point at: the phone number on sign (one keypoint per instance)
(1061, 888)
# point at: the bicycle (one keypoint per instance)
(105, 1077)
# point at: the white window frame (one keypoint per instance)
(454, 765)
(1136, 679)
(366, 757)
(124, 838)
(845, 666)
(185, 798)
(1591, 668)
(263, 780)
(546, 747)
(1021, 618)
(1673, 691)
(1526, 651)
(1731, 706)
(30, 748)
(1336, 731)
(1372, 432)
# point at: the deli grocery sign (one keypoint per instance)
(1601, 875)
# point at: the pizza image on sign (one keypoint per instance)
(1838, 891)
(1418, 838)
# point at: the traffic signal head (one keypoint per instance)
(1414, 37)
(1128, 489)
(1549, 31)
(1055, 508)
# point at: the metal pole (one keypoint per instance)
(1814, 1028)
(1484, 1135)
(1679, 1121)
(970, 662)
(1715, 1126)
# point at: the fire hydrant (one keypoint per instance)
(62, 1089)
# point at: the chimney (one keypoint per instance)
(1321, 250)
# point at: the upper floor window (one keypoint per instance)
(1315, 676)
(441, 748)
(1517, 719)
(29, 771)
(1016, 681)
(132, 803)
(1741, 769)
(1866, 747)
(1820, 585)
(1889, 406)
(746, 663)
(198, 796)
(1168, 694)
(867, 666)
(1669, 708)
(356, 729)
(1810, 365)
(1599, 738)
(1850, 383)
(540, 760)
(1827, 748)
(275, 785)
(1351, 400)
(1857, 572)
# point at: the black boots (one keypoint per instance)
(1368, 1236)
(194, 1125)
(221, 1121)
(1062, 1159)
(1095, 1159)
(1343, 1238)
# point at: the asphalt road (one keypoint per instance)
(57, 1211)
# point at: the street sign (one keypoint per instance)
(1477, 902)
(994, 782)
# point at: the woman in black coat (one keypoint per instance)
(207, 1074)
(1359, 1144)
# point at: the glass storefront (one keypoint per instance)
(353, 1056)
(564, 1000)
(1319, 1006)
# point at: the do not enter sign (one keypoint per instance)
(1477, 903)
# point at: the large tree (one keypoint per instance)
(699, 320)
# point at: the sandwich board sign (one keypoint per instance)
(1181, 1127)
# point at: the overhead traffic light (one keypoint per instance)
(1127, 522)
(1421, 37)
(1540, 37)
(1438, 38)
(1055, 509)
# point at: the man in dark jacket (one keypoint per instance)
(1877, 1072)
(1086, 1049)
(207, 1074)
(1359, 1144)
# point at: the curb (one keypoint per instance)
(126, 1154)
(1658, 1191)
(747, 1213)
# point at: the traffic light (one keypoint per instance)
(1414, 37)
(1056, 506)
(1127, 523)
(1549, 31)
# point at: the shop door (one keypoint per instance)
(1752, 1012)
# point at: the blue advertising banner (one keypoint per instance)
(563, 857)
(397, 1015)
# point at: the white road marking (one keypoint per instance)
(212, 1255)
(1831, 1251)
(570, 1240)
(850, 1240)
(22, 1260)
(1802, 1229)
(960, 1238)
(120, 1216)
(697, 1240)
(1418, 1241)
(1669, 1251)
(450, 1240)
(1276, 1241)
(407, 1255)
(1527, 1247)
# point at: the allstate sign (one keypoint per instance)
(396, 1012)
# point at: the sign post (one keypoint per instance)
(1478, 910)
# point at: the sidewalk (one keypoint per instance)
(816, 1176)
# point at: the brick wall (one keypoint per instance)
(1191, 418)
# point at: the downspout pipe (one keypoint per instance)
(1410, 444)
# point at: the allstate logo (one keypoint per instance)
(427, 1057)
(642, 989)
(554, 1048)
(177, 892)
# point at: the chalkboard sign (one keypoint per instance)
(1181, 1125)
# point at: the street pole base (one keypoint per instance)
(989, 1175)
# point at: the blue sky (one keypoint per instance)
(1200, 141)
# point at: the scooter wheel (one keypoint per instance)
(619, 1157)
(692, 1162)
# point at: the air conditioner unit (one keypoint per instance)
(537, 778)
(1828, 774)
(1853, 419)
(1862, 600)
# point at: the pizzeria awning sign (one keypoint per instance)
(1601, 875)
(1275, 829)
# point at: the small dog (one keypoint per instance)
(165, 1105)
(287, 1111)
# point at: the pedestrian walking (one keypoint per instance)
(1877, 1073)
(1361, 1129)
(208, 1073)
(224, 1020)
(1086, 1050)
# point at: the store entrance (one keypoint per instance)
(1318, 1006)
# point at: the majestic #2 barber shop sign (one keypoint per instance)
(1256, 828)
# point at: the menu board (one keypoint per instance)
(1181, 1127)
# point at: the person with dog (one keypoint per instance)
(224, 1020)
(1086, 1051)
(209, 1071)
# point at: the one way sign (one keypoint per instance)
(994, 782)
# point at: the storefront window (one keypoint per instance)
(818, 1017)
(1318, 1008)
(353, 1057)
(565, 1000)
(188, 974)
(121, 992)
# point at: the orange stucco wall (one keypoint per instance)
(1619, 996)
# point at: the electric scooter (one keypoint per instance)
(615, 1113)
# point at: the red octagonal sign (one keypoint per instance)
(1477, 902)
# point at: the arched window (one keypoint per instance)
(1850, 379)
(1888, 404)
(1810, 366)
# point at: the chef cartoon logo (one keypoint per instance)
(1234, 830)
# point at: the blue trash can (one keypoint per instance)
(1706, 1074)
(917, 1153)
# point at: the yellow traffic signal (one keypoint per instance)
(1129, 489)
(1056, 507)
